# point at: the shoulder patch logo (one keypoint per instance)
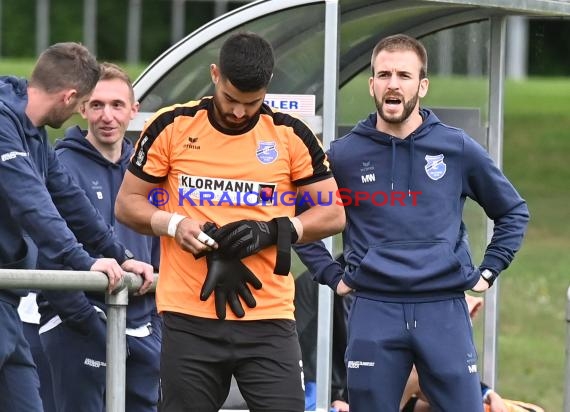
(435, 166)
(141, 155)
(266, 152)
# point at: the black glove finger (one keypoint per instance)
(247, 275)
(246, 295)
(208, 287)
(220, 298)
(250, 278)
(235, 304)
(216, 272)
(210, 228)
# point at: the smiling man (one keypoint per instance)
(97, 158)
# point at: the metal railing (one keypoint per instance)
(116, 315)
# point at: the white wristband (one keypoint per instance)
(173, 224)
(298, 227)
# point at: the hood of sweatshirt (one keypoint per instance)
(101, 179)
(367, 128)
(75, 140)
(14, 99)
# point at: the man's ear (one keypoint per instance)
(81, 110)
(69, 96)
(134, 109)
(424, 85)
(214, 73)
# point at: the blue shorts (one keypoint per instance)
(385, 339)
(19, 382)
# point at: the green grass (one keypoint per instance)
(23, 68)
(533, 290)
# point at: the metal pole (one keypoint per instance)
(116, 350)
(220, 7)
(330, 90)
(495, 149)
(134, 31)
(90, 25)
(177, 17)
(445, 53)
(517, 50)
(64, 280)
(42, 25)
(567, 386)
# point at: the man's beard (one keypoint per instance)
(409, 107)
(228, 121)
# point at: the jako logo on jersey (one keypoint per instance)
(266, 152)
(192, 143)
(355, 364)
(435, 166)
(12, 155)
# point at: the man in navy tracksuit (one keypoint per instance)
(403, 178)
(40, 202)
(97, 159)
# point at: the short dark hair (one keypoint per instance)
(66, 65)
(401, 42)
(246, 60)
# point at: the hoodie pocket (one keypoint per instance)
(410, 267)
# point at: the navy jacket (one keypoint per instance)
(404, 202)
(101, 180)
(39, 199)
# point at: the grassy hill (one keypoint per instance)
(533, 290)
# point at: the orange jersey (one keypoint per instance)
(214, 175)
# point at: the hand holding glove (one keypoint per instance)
(244, 238)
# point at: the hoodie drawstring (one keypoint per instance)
(412, 155)
(411, 163)
(393, 162)
(409, 310)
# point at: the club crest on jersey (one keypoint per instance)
(266, 152)
(435, 166)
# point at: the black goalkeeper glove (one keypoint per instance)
(228, 279)
(246, 237)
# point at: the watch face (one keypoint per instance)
(129, 254)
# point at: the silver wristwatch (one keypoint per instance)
(488, 276)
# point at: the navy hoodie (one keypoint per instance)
(39, 201)
(404, 202)
(101, 180)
